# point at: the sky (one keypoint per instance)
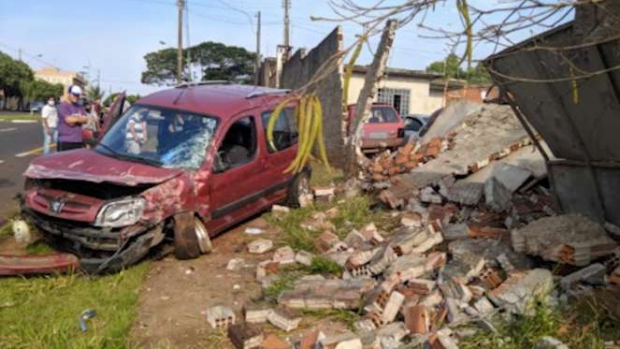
(111, 37)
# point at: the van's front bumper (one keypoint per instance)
(101, 250)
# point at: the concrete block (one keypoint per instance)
(304, 258)
(484, 306)
(284, 319)
(342, 341)
(256, 314)
(284, 255)
(260, 246)
(220, 317)
(393, 306)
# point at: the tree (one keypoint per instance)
(451, 68)
(13, 74)
(36, 90)
(95, 93)
(216, 61)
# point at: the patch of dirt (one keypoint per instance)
(176, 294)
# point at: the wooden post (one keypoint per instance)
(364, 103)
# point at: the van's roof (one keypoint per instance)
(221, 100)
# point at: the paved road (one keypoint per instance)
(19, 143)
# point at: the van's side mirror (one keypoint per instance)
(219, 164)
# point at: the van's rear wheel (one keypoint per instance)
(191, 238)
(299, 191)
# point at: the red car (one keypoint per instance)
(179, 166)
(385, 128)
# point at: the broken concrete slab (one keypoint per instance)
(572, 239)
(521, 289)
(327, 294)
(489, 249)
(280, 212)
(497, 196)
(593, 275)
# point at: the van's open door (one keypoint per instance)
(110, 118)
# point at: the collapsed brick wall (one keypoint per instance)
(300, 68)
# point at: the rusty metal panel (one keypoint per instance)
(576, 126)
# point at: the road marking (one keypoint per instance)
(24, 121)
(34, 151)
(8, 129)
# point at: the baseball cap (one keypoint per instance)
(75, 90)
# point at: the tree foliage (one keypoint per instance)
(95, 92)
(451, 68)
(36, 90)
(215, 60)
(13, 75)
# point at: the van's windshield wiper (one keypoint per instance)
(121, 156)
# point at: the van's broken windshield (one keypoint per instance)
(161, 137)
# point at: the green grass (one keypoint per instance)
(6, 229)
(353, 213)
(347, 317)
(19, 116)
(284, 282)
(585, 324)
(322, 265)
(43, 312)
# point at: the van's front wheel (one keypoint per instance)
(191, 238)
(299, 192)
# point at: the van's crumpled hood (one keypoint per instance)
(88, 165)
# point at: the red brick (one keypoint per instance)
(418, 319)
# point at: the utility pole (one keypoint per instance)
(180, 5)
(98, 78)
(19, 54)
(257, 64)
(287, 21)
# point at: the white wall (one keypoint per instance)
(421, 100)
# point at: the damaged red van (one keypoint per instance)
(175, 169)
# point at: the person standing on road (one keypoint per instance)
(71, 117)
(50, 124)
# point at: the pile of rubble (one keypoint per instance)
(478, 236)
(421, 282)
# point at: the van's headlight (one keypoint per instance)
(120, 213)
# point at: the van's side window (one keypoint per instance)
(285, 131)
(239, 145)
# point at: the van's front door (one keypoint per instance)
(235, 184)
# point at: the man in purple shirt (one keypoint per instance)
(71, 116)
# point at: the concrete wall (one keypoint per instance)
(300, 68)
(421, 101)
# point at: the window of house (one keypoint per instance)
(398, 98)
(284, 132)
(239, 145)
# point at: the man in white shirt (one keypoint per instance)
(50, 124)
